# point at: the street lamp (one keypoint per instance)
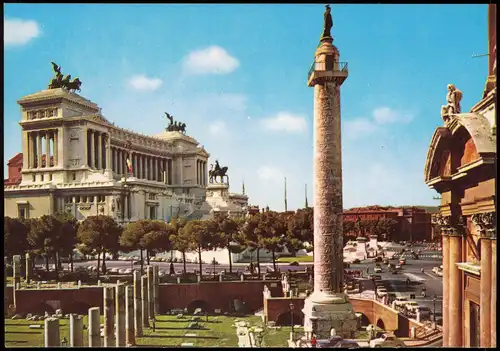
(434, 298)
(291, 316)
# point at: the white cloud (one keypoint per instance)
(358, 128)
(384, 115)
(211, 60)
(19, 32)
(141, 82)
(270, 173)
(217, 128)
(285, 122)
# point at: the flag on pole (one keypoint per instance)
(129, 166)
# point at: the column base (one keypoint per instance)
(330, 311)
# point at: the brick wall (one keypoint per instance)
(375, 312)
(69, 300)
(217, 295)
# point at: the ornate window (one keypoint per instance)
(23, 210)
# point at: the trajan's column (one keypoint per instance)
(328, 307)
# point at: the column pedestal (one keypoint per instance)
(329, 311)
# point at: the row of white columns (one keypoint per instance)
(97, 150)
(35, 148)
(143, 166)
(201, 172)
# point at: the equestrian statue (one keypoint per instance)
(218, 171)
(175, 126)
(63, 82)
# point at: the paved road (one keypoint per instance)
(165, 266)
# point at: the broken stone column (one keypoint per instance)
(52, 332)
(75, 330)
(156, 289)
(109, 316)
(129, 316)
(144, 301)
(149, 273)
(16, 274)
(137, 304)
(94, 327)
(120, 315)
(29, 268)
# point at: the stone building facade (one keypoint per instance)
(413, 223)
(96, 167)
(461, 166)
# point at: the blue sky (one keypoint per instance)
(237, 74)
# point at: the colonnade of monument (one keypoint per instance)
(453, 283)
(128, 309)
(36, 141)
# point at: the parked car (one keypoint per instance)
(294, 263)
(377, 270)
(376, 277)
(402, 261)
(328, 343)
(346, 344)
(356, 260)
(398, 266)
(387, 340)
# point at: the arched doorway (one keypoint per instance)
(363, 320)
(202, 304)
(380, 324)
(286, 318)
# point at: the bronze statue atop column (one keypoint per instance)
(328, 23)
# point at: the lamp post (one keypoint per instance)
(434, 298)
(292, 306)
(126, 192)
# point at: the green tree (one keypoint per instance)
(132, 235)
(180, 243)
(43, 236)
(200, 235)
(67, 238)
(102, 234)
(157, 239)
(300, 230)
(226, 229)
(272, 230)
(387, 226)
(249, 235)
(15, 237)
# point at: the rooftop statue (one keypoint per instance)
(175, 126)
(453, 98)
(328, 23)
(66, 83)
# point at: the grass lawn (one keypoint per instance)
(170, 331)
(297, 259)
